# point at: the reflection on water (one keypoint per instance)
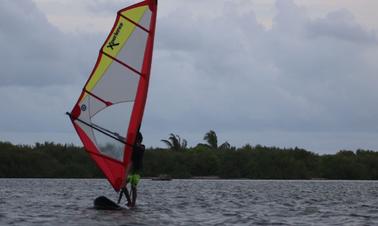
(191, 202)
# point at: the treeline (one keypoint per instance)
(260, 162)
(51, 160)
(45, 160)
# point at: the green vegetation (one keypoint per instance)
(179, 161)
(45, 160)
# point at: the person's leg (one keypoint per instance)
(120, 196)
(134, 183)
(127, 194)
(133, 195)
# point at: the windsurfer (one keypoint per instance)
(134, 174)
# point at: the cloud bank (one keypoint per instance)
(303, 82)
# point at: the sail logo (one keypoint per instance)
(83, 107)
(113, 42)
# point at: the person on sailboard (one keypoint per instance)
(134, 174)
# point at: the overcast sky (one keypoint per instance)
(278, 73)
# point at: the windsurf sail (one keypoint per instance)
(109, 111)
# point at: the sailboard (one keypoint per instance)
(109, 111)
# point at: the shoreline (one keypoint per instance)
(194, 178)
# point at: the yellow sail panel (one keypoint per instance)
(123, 31)
(103, 64)
(135, 14)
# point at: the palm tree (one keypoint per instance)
(211, 138)
(225, 146)
(174, 142)
(212, 141)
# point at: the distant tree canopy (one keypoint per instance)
(224, 161)
(212, 141)
(45, 160)
(175, 143)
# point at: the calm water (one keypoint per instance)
(191, 202)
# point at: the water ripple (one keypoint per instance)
(191, 202)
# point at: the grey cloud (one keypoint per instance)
(36, 110)
(43, 70)
(234, 75)
(105, 7)
(303, 82)
(35, 53)
(289, 18)
(341, 25)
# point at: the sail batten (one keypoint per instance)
(109, 111)
(135, 23)
(123, 63)
(108, 103)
